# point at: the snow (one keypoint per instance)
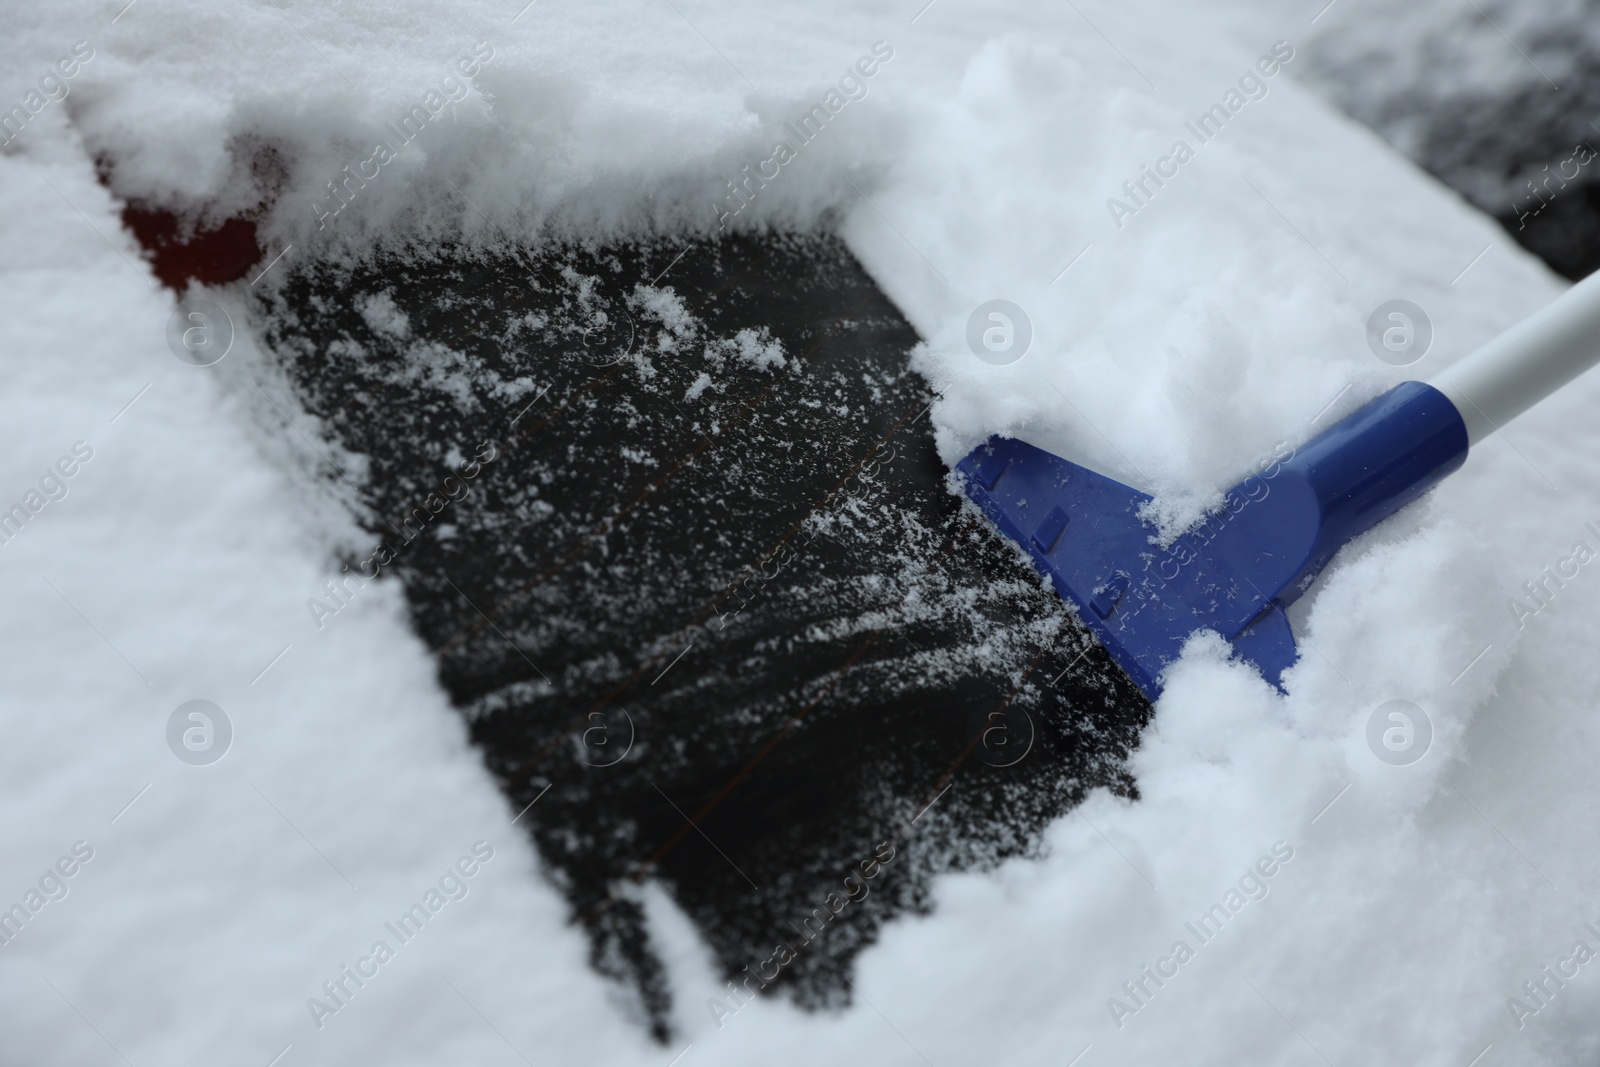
(1224, 317)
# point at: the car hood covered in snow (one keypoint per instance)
(1276, 893)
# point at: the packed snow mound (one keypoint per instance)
(1174, 340)
(342, 125)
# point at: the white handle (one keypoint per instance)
(1528, 362)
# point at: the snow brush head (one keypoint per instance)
(1238, 570)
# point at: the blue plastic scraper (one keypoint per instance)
(1238, 570)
